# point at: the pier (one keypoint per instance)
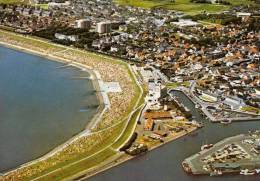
(244, 157)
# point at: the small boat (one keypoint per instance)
(257, 171)
(216, 173)
(186, 167)
(228, 121)
(207, 146)
(247, 172)
(200, 125)
(197, 106)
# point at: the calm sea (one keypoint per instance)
(41, 106)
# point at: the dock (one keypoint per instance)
(221, 157)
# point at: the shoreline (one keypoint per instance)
(123, 157)
(90, 125)
(93, 73)
(113, 118)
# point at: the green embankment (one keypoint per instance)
(128, 131)
(174, 85)
(82, 162)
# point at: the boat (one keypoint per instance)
(247, 172)
(197, 106)
(200, 125)
(216, 173)
(137, 149)
(228, 121)
(257, 171)
(186, 167)
(207, 146)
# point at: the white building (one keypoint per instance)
(104, 27)
(239, 14)
(153, 96)
(83, 24)
(244, 16)
(185, 23)
(234, 102)
(66, 37)
(59, 5)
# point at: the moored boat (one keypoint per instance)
(257, 171)
(247, 172)
(207, 146)
(228, 121)
(216, 173)
(186, 167)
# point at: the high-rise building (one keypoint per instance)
(83, 24)
(104, 27)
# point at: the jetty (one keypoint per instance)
(231, 155)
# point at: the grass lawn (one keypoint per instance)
(81, 162)
(206, 99)
(81, 166)
(42, 6)
(128, 130)
(182, 5)
(174, 85)
(251, 109)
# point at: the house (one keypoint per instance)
(216, 54)
(27, 11)
(19, 10)
(240, 14)
(37, 12)
(149, 124)
(257, 91)
(47, 13)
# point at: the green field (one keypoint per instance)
(181, 5)
(42, 6)
(174, 85)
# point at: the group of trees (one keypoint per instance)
(223, 19)
(210, 2)
(85, 37)
(200, 1)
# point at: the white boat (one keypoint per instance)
(257, 171)
(228, 121)
(207, 146)
(247, 172)
(216, 173)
